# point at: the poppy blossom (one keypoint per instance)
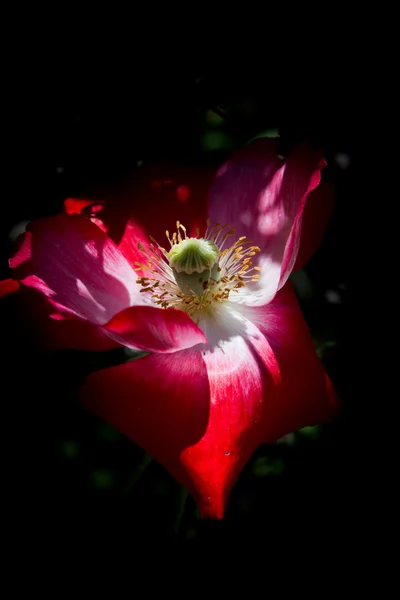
(202, 287)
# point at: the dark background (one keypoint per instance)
(70, 474)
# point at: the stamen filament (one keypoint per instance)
(232, 272)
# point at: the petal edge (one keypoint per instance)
(154, 329)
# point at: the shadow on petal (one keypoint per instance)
(147, 202)
(161, 402)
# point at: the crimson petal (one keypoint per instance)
(305, 395)
(154, 329)
(199, 412)
(316, 216)
(8, 286)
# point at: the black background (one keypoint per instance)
(95, 115)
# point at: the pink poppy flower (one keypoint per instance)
(231, 363)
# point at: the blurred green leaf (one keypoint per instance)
(108, 433)
(69, 448)
(214, 119)
(134, 354)
(321, 345)
(268, 466)
(272, 132)
(302, 284)
(312, 432)
(102, 478)
(287, 440)
(216, 140)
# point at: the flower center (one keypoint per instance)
(197, 272)
(194, 263)
(193, 255)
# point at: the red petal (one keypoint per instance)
(8, 286)
(263, 197)
(316, 216)
(305, 395)
(162, 402)
(148, 202)
(154, 329)
(240, 389)
(202, 412)
(76, 206)
(77, 267)
(43, 331)
(197, 417)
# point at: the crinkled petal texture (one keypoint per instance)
(263, 197)
(201, 412)
(85, 277)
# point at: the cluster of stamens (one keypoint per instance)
(234, 269)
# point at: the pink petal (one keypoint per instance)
(128, 241)
(263, 197)
(77, 267)
(154, 329)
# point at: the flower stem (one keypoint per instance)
(180, 509)
(138, 472)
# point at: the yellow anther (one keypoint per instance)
(232, 270)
